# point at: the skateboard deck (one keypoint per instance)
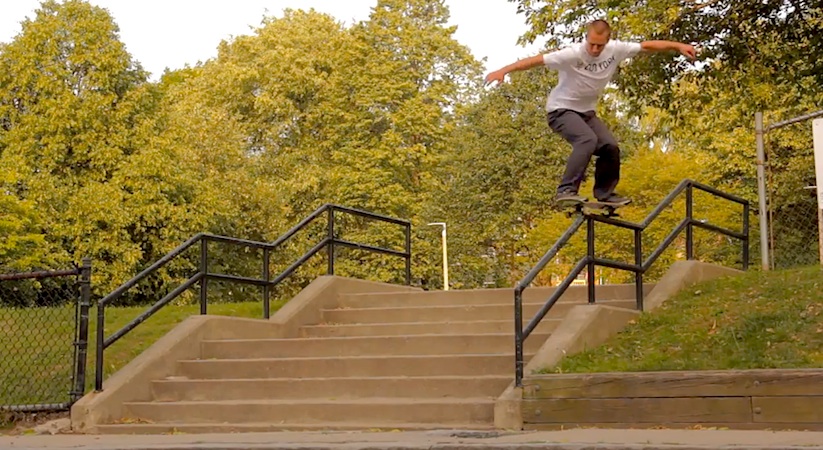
(605, 209)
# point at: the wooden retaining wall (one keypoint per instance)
(748, 399)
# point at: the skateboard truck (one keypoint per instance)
(603, 209)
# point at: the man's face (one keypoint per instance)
(596, 42)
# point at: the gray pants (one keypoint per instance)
(588, 136)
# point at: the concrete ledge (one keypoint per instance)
(681, 275)
(133, 382)
(588, 326)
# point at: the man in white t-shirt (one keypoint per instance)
(584, 70)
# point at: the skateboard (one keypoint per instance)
(588, 207)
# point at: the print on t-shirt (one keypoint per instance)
(597, 67)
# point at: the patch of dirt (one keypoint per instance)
(16, 423)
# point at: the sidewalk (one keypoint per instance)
(577, 439)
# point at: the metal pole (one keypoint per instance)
(98, 363)
(204, 269)
(590, 268)
(445, 261)
(445, 256)
(638, 275)
(518, 336)
(267, 286)
(408, 254)
(761, 191)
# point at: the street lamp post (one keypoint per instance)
(445, 256)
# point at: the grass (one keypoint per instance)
(36, 364)
(757, 320)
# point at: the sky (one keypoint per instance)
(172, 33)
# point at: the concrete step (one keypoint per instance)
(484, 296)
(172, 390)
(219, 428)
(411, 328)
(422, 344)
(351, 366)
(366, 410)
(450, 313)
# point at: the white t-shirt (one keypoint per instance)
(583, 77)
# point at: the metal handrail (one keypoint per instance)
(265, 281)
(639, 267)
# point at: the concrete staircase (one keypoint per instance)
(407, 360)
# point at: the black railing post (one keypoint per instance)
(83, 331)
(638, 274)
(408, 254)
(330, 247)
(204, 269)
(98, 366)
(266, 286)
(590, 269)
(689, 217)
(746, 234)
(518, 335)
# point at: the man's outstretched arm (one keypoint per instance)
(523, 64)
(686, 50)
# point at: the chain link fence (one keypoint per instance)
(44, 334)
(794, 233)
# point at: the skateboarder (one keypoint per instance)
(584, 70)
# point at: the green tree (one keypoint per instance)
(362, 126)
(24, 245)
(397, 101)
(79, 121)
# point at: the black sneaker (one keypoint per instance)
(568, 198)
(615, 199)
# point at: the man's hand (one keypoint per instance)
(497, 75)
(688, 51)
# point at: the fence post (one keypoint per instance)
(98, 366)
(83, 331)
(761, 190)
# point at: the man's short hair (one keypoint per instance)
(600, 26)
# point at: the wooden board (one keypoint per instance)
(638, 410)
(731, 383)
(788, 409)
(677, 426)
